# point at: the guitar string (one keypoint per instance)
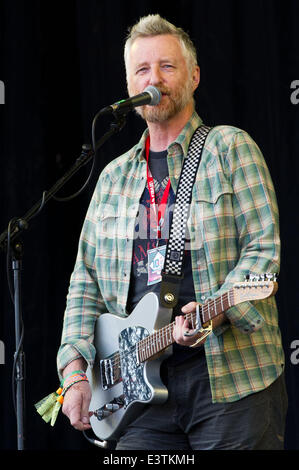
(225, 301)
(204, 309)
(148, 341)
(151, 340)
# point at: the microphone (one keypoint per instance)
(151, 96)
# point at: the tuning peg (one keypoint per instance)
(260, 277)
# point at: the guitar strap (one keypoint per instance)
(172, 274)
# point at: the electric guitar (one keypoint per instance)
(126, 372)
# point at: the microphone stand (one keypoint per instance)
(10, 240)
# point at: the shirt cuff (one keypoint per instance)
(245, 317)
(68, 352)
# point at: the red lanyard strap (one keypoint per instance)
(151, 187)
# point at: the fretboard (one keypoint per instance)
(162, 338)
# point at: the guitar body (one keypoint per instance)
(126, 372)
(120, 384)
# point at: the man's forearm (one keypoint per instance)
(77, 364)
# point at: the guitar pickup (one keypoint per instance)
(106, 367)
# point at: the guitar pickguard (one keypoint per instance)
(135, 387)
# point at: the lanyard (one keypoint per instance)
(150, 183)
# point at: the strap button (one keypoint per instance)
(169, 298)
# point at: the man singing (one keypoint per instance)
(229, 392)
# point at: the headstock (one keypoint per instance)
(255, 287)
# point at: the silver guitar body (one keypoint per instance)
(119, 393)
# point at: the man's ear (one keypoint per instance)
(196, 77)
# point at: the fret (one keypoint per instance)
(139, 353)
(228, 300)
(150, 346)
(144, 353)
(170, 330)
(229, 303)
(193, 319)
(156, 343)
(208, 305)
(139, 350)
(203, 309)
(146, 346)
(161, 339)
(164, 339)
(159, 335)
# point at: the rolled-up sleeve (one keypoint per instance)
(84, 300)
(257, 221)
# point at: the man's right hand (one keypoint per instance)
(76, 404)
(77, 398)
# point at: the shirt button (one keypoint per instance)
(203, 297)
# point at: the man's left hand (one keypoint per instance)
(183, 326)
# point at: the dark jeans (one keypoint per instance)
(189, 420)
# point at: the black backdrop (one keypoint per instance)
(60, 63)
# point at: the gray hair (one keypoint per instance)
(154, 25)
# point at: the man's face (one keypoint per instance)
(159, 61)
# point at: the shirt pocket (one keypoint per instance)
(212, 206)
(115, 221)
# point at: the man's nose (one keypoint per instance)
(156, 76)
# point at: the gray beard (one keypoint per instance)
(175, 104)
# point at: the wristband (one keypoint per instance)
(75, 372)
(73, 379)
(49, 406)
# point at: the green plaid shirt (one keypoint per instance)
(234, 230)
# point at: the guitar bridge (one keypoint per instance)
(110, 371)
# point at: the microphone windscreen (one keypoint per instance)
(155, 94)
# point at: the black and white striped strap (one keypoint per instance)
(172, 271)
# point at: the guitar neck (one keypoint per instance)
(161, 339)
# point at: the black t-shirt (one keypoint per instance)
(145, 239)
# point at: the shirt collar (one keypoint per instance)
(182, 140)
